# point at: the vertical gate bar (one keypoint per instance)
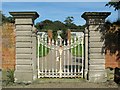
(56, 57)
(42, 54)
(79, 54)
(49, 65)
(60, 53)
(53, 57)
(48, 73)
(64, 59)
(68, 43)
(38, 38)
(68, 58)
(75, 54)
(71, 50)
(49, 41)
(60, 67)
(45, 56)
(82, 54)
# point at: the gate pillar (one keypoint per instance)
(96, 57)
(25, 69)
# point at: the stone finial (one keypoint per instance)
(32, 15)
(92, 15)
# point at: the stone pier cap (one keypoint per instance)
(25, 14)
(90, 15)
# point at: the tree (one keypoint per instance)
(60, 25)
(115, 5)
(69, 20)
(112, 35)
(112, 38)
(6, 19)
(10, 19)
(39, 26)
(0, 18)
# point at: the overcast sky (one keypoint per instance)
(59, 10)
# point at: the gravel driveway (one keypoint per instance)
(64, 83)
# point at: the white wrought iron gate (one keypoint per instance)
(60, 58)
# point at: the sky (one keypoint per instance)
(59, 10)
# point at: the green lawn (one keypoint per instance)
(77, 51)
(43, 51)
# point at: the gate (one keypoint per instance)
(59, 57)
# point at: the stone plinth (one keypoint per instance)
(25, 69)
(96, 57)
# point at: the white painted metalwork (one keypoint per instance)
(57, 58)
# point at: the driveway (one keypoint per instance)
(64, 83)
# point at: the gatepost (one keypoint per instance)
(96, 59)
(25, 69)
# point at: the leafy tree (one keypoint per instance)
(115, 5)
(39, 26)
(112, 37)
(46, 22)
(0, 18)
(72, 26)
(60, 25)
(6, 19)
(10, 19)
(69, 20)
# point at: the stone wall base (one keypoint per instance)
(97, 76)
(23, 76)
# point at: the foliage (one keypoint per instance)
(0, 18)
(77, 50)
(43, 51)
(112, 33)
(6, 19)
(115, 5)
(55, 35)
(58, 25)
(49, 25)
(8, 77)
(69, 20)
(112, 37)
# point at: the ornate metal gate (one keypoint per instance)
(60, 58)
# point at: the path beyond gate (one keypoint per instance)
(60, 58)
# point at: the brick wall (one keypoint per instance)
(111, 60)
(8, 46)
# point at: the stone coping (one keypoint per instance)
(88, 15)
(25, 14)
